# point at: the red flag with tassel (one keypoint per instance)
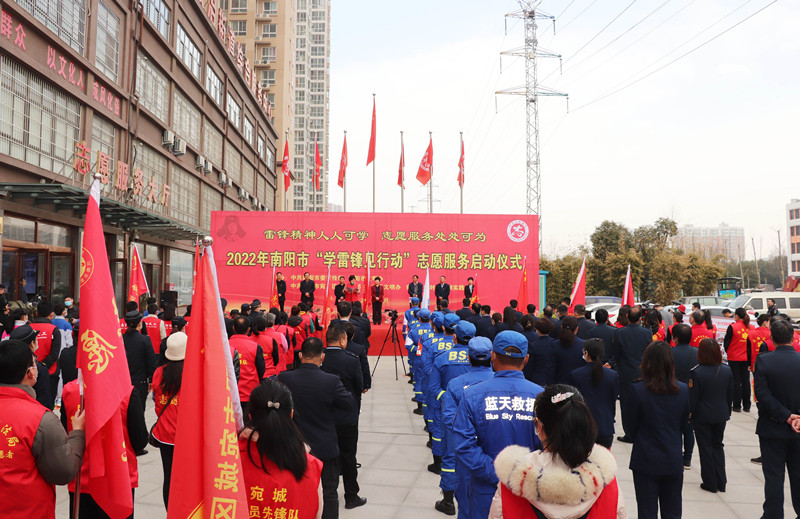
(578, 295)
(138, 283)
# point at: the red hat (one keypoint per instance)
(682, 308)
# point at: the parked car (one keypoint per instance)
(703, 300)
(787, 302)
(611, 308)
(592, 300)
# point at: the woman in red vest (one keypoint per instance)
(700, 329)
(760, 340)
(571, 477)
(738, 346)
(166, 393)
(279, 473)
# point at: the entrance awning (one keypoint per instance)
(67, 197)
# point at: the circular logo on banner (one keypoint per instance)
(517, 230)
(87, 266)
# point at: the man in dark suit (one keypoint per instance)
(376, 296)
(531, 309)
(685, 359)
(319, 398)
(548, 314)
(483, 325)
(606, 332)
(514, 304)
(345, 364)
(338, 290)
(465, 312)
(307, 288)
(476, 313)
(778, 398)
(415, 288)
(469, 288)
(280, 283)
(584, 324)
(360, 319)
(442, 290)
(345, 309)
(628, 348)
(360, 351)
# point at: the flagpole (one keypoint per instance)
(344, 180)
(430, 187)
(373, 161)
(402, 175)
(462, 175)
(286, 191)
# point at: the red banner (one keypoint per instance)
(394, 246)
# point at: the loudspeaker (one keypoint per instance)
(169, 296)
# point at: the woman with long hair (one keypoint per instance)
(274, 455)
(166, 393)
(711, 387)
(622, 316)
(599, 386)
(509, 321)
(541, 366)
(740, 356)
(570, 477)
(568, 350)
(655, 323)
(659, 405)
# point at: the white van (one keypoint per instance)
(787, 302)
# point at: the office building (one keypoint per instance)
(793, 233)
(709, 242)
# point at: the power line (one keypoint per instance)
(601, 31)
(578, 15)
(674, 60)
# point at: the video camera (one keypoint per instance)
(392, 313)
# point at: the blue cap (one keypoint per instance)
(480, 348)
(465, 330)
(424, 313)
(508, 338)
(438, 318)
(414, 300)
(450, 320)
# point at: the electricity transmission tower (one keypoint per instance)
(530, 52)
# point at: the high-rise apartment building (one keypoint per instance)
(709, 242)
(793, 233)
(288, 42)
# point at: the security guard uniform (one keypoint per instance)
(492, 415)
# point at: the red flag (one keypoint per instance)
(474, 299)
(522, 297)
(326, 302)
(285, 167)
(400, 174)
(317, 165)
(627, 292)
(138, 283)
(343, 163)
(104, 371)
(578, 296)
(371, 153)
(365, 295)
(207, 476)
(461, 166)
(273, 298)
(424, 172)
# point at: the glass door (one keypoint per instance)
(32, 275)
(61, 276)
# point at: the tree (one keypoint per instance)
(610, 237)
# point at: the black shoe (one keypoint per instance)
(436, 468)
(418, 411)
(624, 439)
(746, 409)
(429, 444)
(355, 503)
(757, 461)
(722, 488)
(446, 507)
(687, 465)
(426, 428)
(141, 452)
(737, 409)
(708, 489)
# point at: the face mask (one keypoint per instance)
(67, 303)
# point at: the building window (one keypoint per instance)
(268, 54)
(300, 122)
(270, 8)
(212, 144)
(248, 131)
(317, 75)
(318, 27)
(300, 69)
(103, 137)
(260, 147)
(317, 39)
(302, 17)
(299, 135)
(152, 88)
(213, 85)
(317, 16)
(185, 203)
(269, 30)
(316, 86)
(300, 96)
(298, 204)
(233, 163)
(317, 99)
(154, 167)
(189, 53)
(318, 63)
(181, 268)
(301, 43)
(300, 30)
(238, 6)
(39, 123)
(186, 120)
(299, 149)
(234, 112)
(66, 18)
(317, 111)
(300, 83)
(270, 159)
(212, 201)
(248, 180)
(267, 78)
(271, 99)
(318, 50)
(239, 27)
(299, 164)
(107, 54)
(315, 124)
(300, 109)
(158, 13)
(300, 56)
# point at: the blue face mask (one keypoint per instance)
(68, 303)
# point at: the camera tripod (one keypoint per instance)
(393, 333)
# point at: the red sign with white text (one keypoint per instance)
(490, 248)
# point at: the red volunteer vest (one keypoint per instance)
(700, 332)
(270, 369)
(351, 295)
(248, 376)
(167, 328)
(796, 342)
(276, 492)
(23, 490)
(661, 334)
(152, 325)
(520, 508)
(123, 326)
(672, 340)
(737, 350)
(758, 337)
(45, 341)
(164, 430)
(71, 400)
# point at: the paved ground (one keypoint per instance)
(394, 458)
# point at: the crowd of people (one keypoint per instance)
(520, 408)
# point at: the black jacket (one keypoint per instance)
(605, 332)
(442, 291)
(710, 393)
(777, 386)
(556, 328)
(366, 327)
(628, 348)
(483, 327)
(465, 313)
(541, 366)
(584, 327)
(346, 365)
(600, 399)
(338, 292)
(68, 361)
(358, 335)
(318, 396)
(281, 285)
(307, 286)
(361, 352)
(415, 290)
(685, 359)
(141, 357)
(468, 291)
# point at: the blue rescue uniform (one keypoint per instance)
(418, 330)
(432, 349)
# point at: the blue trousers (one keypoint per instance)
(480, 498)
(435, 424)
(462, 489)
(448, 478)
(653, 491)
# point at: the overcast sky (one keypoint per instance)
(710, 138)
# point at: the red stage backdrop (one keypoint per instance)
(490, 248)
